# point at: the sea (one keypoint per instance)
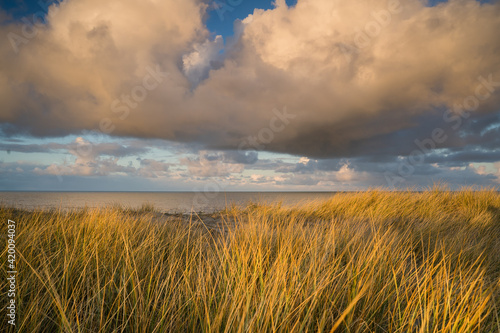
(167, 202)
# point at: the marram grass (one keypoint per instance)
(360, 262)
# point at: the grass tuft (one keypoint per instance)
(371, 261)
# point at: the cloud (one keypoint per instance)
(153, 169)
(355, 99)
(80, 148)
(206, 56)
(210, 164)
(97, 167)
(213, 168)
(368, 77)
(66, 76)
(240, 157)
(88, 159)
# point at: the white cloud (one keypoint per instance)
(346, 174)
(490, 170)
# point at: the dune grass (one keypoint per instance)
(360, 262)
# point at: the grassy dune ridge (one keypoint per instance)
(358, 262)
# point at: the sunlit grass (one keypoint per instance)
(359, 262)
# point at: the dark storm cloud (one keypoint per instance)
(109, 149)
(464, 157)
(367, 78)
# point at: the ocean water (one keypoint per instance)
(168, 202)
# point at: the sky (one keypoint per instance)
(239, 95)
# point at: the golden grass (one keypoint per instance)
(360, 262)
